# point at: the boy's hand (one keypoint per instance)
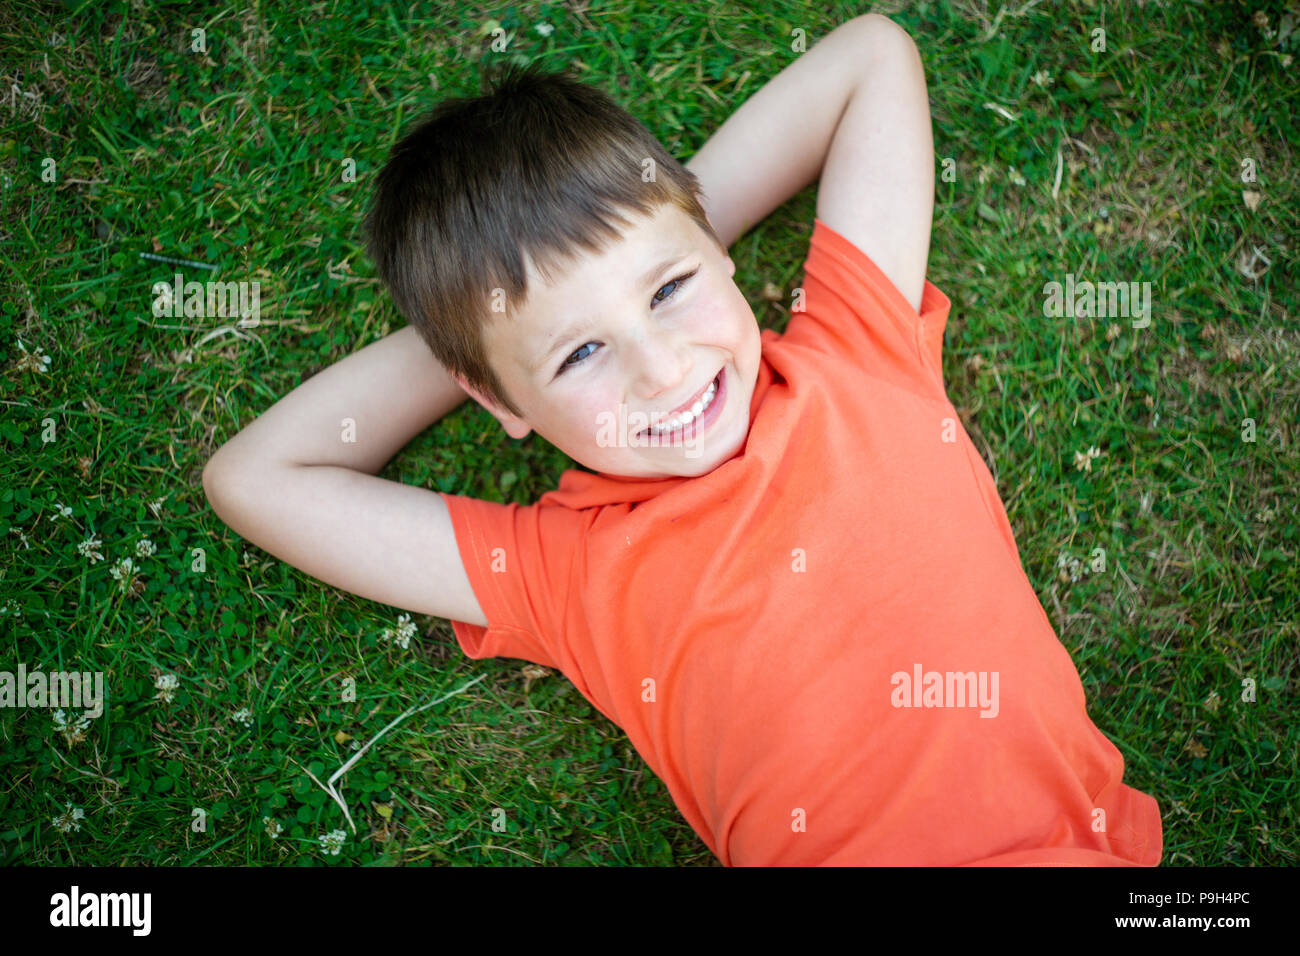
(854, 110)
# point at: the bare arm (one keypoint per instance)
(392, 389)
(300, 481)
(853, 112)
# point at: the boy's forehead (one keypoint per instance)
(582, 288)
(622, 259)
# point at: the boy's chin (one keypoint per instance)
(677, 462)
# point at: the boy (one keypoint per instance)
(787, 575)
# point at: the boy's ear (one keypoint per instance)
(515, 427)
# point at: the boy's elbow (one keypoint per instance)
(880, 32)
(239, 482)
(218, 481)
(885, 54)
(211, 480)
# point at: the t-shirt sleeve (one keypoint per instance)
(852, 307)
(521, 562)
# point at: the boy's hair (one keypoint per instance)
(539, 166)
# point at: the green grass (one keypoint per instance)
(234, 158)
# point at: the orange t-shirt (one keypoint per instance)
(826, 648)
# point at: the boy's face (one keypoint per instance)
(636, 342)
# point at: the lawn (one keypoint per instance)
(1149, 465)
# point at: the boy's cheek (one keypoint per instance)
(742, 319)
(726, 312)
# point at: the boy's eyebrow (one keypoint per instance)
(571, 330)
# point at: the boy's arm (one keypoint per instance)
(299, 481)
(853, 110)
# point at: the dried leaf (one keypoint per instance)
(1252, 263)
(531, 673)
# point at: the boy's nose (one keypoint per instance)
(663, 363)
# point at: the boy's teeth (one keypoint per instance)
(690, 414)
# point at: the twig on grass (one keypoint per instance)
(328, 787)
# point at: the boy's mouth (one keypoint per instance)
(694, 412)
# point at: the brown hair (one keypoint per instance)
(539, 166)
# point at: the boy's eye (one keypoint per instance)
(579, 362)
(676, 284)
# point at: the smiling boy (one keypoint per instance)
(647, 342)
(803, 601)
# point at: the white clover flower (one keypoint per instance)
(273, 829)
(11, 607)
(73, 733)
(1068, 567)
(156, 506)
(166, 685)
(332, 842)
(36, 361)
(67, 820)
(144, 548)
(545, 29)
(1043, 78)
(402, 637)
(1083, 460)
(61, 721)
(60, 511)
(244, 716)
(88, 549)
(122, 572)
